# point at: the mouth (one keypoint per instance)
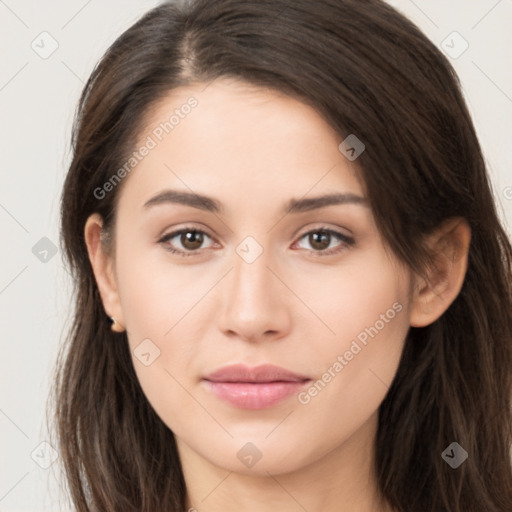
(254, 388)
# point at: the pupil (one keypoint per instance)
(191, 238)
(314, 240)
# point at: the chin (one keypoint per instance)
(261, 457)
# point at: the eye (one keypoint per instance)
(191, 240)
(320, 240)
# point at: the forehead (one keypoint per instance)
(233, 140)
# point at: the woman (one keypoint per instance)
(293, 289)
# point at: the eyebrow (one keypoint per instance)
(292, 206)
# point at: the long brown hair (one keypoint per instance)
(369, 71)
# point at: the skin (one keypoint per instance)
(252, 150)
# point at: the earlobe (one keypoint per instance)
(103, 267)
(434, 293)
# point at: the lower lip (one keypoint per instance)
(261, 395)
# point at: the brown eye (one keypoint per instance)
(191, 240)
(320, 241)
(185, 242)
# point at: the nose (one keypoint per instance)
(255, 301)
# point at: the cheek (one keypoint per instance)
(163, 306)
(357, 300)
(158, 301)
(367, 308)
(156, 292)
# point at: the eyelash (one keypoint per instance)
(347, 241)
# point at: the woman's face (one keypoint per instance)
(257, 283)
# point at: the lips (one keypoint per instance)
(254, 388)
(263, 373)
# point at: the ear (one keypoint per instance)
(433, 295)
(103, 267)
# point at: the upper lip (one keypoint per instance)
(262, 373)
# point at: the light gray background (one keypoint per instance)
(37, 100)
